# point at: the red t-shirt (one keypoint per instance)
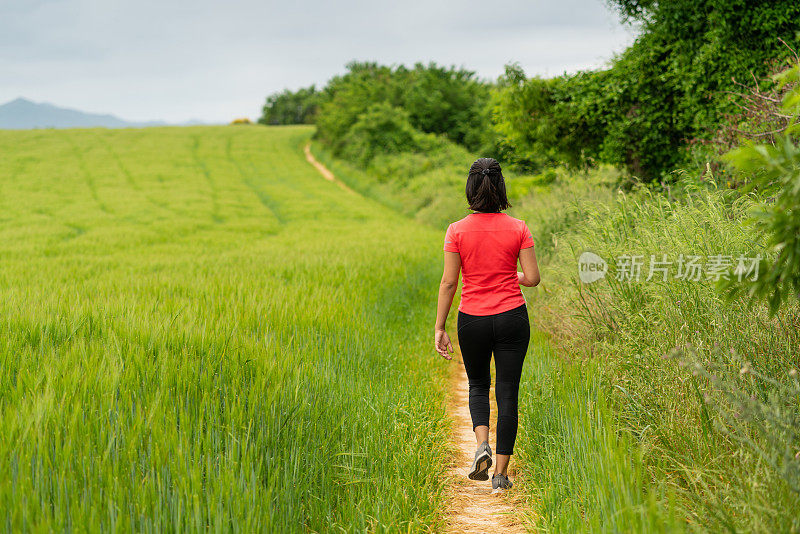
(489, 245)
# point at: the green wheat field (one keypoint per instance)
(198, 332)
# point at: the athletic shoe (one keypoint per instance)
(482, 462)
(500, 483)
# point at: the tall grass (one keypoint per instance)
(197, 333)
(690, 449)
(582, 474)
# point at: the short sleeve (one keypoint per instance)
(450, 240)
(526, 237)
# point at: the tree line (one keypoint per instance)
(659, 105)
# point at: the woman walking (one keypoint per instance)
(492, 316)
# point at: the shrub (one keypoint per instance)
(444, 101)
(291, 107)
(668, 87)
(774, 169)
(381, 129)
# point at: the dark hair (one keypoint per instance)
(486, 188)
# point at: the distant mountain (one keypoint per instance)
(22, 114)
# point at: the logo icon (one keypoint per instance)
(591, 267)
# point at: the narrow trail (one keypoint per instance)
(471, 506)
(323, 170)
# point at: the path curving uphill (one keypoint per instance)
(471, 505)
(323, 170)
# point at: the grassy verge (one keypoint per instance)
(582, 475)
(722, 472)
(196, 333)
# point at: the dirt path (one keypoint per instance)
(473, 508)
(323, 170)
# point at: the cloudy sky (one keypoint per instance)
(215, 60)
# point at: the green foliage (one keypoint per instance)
(448, 101)
(666, 89)
(550, 122)
(517, 187)
(524, 118)
(381, 129)
(775, 171)
(291, 107)
(347, 96)
(445, 101)
(645, 113)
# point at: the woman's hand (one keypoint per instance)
(442, 344)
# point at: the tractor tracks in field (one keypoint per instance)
(86, 174)
(200, 163)
(471, 505)
(130, 178)
(248, 178)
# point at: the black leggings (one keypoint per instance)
(507, 335)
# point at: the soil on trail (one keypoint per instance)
(472, 506)
(323, 170)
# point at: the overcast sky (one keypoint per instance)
(200, 59)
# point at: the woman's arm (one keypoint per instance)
(529, 276)
(447, 289)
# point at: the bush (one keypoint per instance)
(774, 169)
(381, 129)
(291, 107)
(443, 101)
(667, 88)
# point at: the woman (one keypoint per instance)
(492, 316)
